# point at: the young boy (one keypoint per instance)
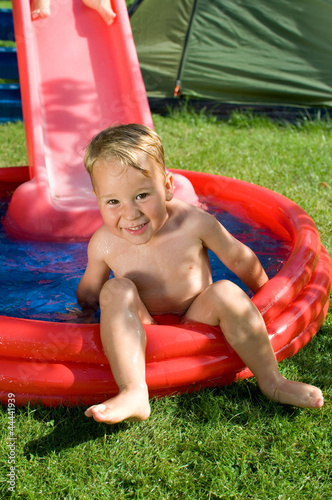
(156, 247)
(41, 9)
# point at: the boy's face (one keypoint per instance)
(133, 206)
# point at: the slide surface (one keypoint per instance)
(77, 76)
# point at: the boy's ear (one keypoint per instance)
(169, 186)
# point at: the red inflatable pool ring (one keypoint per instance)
(63, 363)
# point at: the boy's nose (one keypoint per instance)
(130, 211)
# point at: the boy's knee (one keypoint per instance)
(227, 296)
(117, 289)
(236, 303)
(226, 291)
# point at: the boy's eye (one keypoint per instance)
(112, 202)
(142, 196)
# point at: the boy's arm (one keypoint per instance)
(239, 258)
(96, 274)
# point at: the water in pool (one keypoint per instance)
(38, 280)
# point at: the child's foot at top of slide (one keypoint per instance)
(132, 405)
(40, 9)
(104, 9)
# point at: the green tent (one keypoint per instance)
(256, 52)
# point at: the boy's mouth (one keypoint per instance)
(136, 229)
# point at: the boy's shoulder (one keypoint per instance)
(192, 215)
(182, 207)
(99, 235)
(99, 243)
(188, 210)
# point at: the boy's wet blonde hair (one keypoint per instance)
(125, 143)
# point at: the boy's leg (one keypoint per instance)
(104, 9)
(226, 305)
(124, 341)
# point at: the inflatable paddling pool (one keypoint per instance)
(63, 363)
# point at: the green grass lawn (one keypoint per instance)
(5, 4)
(221, 443)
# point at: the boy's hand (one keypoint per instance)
(86, 315)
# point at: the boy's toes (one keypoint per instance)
(109, 18)
(318, 402)
(92, 410)
(39, 14)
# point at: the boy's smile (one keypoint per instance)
(133, 206)
(137, 229)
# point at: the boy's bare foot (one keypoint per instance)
(40, 9)
(130, 405)
(294, 393)
(104, 9)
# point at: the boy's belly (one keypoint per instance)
(171, 289)
(177, 302)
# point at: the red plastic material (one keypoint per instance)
(56, 363)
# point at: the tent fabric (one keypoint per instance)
(160, 34)
(270, 52)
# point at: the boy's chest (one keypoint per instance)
(148, 265)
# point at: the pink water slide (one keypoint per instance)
(77, 76)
